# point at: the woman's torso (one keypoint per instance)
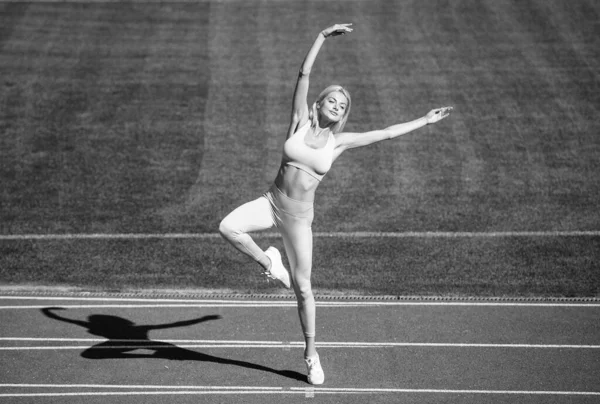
(306, 159)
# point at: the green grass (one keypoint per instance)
(511, 266)
(146, 117)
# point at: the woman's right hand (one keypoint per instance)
(337, 29)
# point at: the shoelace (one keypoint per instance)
(312, 362)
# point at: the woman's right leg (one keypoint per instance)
(297, 238)
(298, 242)
(252, 216)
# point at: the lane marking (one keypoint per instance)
(148, 393)
(175, 341)
(121, 299)
(196, 390)
(133, 386)
(293, 304)
(276, 300)
(448, 391)
(146, 306)
(357, 234)
(185, 343)
(195, 303)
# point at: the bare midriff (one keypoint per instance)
(296, 184)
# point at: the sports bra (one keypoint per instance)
(315, 162)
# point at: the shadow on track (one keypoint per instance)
(124, 336)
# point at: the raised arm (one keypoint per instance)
(349, 140)
(300, 104)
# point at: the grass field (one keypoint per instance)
(162, 117)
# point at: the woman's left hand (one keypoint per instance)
(438, 114)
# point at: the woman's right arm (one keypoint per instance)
(300, 104)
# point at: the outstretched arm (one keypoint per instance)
(349, 140)
(300, 104)
(184, 323)
(50, 312)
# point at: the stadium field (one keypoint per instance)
(122, 119)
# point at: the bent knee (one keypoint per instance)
(227, 229)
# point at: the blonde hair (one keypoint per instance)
(313, 115)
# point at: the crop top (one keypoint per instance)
(315, 162)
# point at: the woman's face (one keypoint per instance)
(333, 107)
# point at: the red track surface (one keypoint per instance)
(376, 352)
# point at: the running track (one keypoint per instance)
(249, 351)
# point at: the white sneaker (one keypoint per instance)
(315, 371)
(277, 271)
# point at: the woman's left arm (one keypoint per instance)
(349, 140)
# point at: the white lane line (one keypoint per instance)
(166, 306)
(196, 390)
(147, 306)
(458, 234)
(356, 234)
(128, 299)
(180, 343)
(277, 300)
(111, 236)
(134, 386)
(174, 303)
(152, 393)
(174, 341)
(448, 391)
(130, 347)
(281, 305)
(293, 304)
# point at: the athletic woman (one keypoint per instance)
(314, 141)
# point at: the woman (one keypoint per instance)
(314, 141)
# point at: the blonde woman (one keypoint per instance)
(315, 139)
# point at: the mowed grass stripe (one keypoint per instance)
(106, 111)
(506, 156)
(159, 119)
(416, 63)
